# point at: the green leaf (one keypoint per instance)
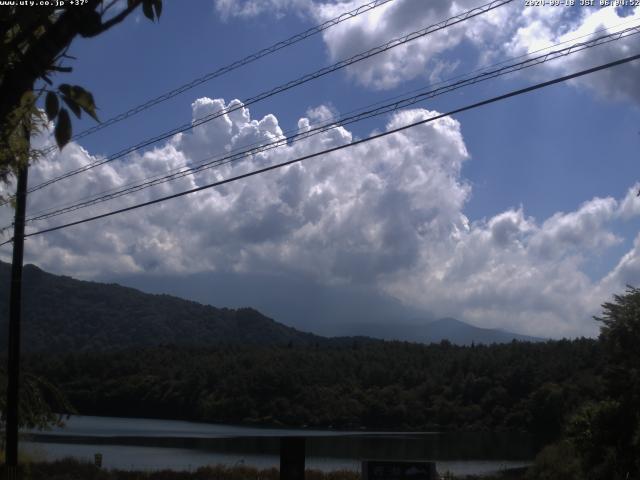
(65, 88)
(51, 105)
(56, 68)
(84, 98)
(62, 131)
(147, 9)
(78, 98)
(157, 6)
(75, 108)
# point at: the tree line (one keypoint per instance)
(387, 385)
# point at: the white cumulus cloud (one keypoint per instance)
(388, 214)
(539, 30)
(507, 31)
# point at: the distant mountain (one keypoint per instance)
(295, 299)
(434, 331)
(64, 314)
(462, 333)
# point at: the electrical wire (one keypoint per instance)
(281, 88)
(334, 120)
(340, 147)
(228, 68)
(301, 135)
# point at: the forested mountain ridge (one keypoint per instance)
(64, 314)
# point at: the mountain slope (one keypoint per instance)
(462, 333)
(64, 314)
(434, 331)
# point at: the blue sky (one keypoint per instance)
(520, 215)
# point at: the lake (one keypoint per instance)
(146, 444)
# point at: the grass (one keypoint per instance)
(511, 474)
(72, 469)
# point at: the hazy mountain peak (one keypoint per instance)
(62, 313)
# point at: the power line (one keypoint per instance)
(215, 161)
(229, 68)
(180, 173)
(340, 147)
(335, 122)
(284, 87)
(338, 120)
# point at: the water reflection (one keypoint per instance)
(157, 444)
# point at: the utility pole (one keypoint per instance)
(15, 304)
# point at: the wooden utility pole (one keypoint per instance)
(292, 458)
(15, 304)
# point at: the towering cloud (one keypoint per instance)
(388, 214)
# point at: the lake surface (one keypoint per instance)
(133, 443)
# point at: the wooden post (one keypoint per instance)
(15, 304)
(292, 452)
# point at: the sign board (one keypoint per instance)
(398, 470)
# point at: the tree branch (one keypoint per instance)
(106, 8)
(115, 20)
